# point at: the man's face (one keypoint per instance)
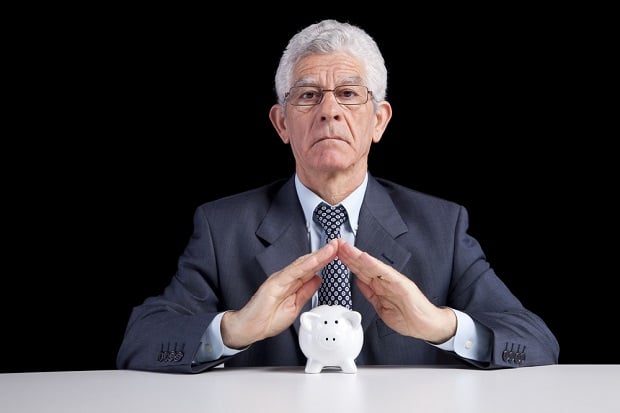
(331, 137)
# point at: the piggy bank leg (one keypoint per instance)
(348, 366)
(313, 366)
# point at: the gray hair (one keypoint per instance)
(331, 36)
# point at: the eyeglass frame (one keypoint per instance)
(322, 92)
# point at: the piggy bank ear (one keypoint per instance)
(353, 317)
(307, 318)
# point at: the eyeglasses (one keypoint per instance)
(312, 95)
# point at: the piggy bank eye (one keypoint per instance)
(336, 321)
(325, 322)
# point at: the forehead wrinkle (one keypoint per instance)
(344, 80)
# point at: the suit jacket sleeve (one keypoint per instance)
(164, 332)
(519, 336)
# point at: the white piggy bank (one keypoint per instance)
(331, 336)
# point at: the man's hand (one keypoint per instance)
(278, 301)
(398, 300)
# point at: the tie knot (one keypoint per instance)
(331, 218)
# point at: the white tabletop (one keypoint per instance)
(557, 388)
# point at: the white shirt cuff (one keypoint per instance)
(471, 341)
(212, 346)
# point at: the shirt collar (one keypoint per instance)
(352, 203)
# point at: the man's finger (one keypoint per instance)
(365, 267)
(304, 268)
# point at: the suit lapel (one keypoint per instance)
(378, 227)
(284, 231)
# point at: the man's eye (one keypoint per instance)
(308, 95)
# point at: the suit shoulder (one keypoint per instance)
(258, 199)
(399, 192)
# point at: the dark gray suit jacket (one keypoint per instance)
(238, 241)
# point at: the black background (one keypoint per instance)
(126, 120)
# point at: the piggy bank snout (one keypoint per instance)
(331, 335)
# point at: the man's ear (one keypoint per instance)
(276, 115)
(382, 118)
